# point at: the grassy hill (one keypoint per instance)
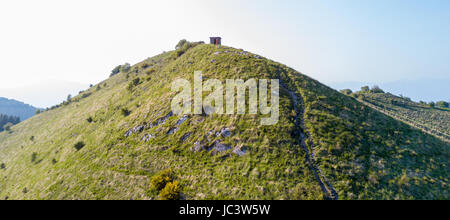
(115, 141)
(15, 108)
(430, 119)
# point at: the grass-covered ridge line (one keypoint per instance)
(362, 153)
(429, 117)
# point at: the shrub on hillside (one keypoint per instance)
(79, 145)
(90, 120)
(125, 68)
(7, 122)
(442, 104)
(376, 89)
(170, 192)
(121, 68)
(125, 112)
(150, 71)
(181, 44)
(365, 89)
(34, 157)
(346, 91)
(159, 181)
(115, 71)
(184, 46)
(2, 166)
(133, 83)
(7, 126)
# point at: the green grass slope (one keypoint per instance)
(433, 120)
(326, 145)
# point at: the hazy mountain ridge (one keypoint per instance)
(44, 94)
(16, 108)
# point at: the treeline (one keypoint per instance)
(378, 90)
(7, 121)
(16, 108)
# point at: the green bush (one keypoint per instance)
(184, 46)
(150, 71)
(7, 126)
(125, 68)
(85, 95)
(6, 122)
(121, 68)
(125, 112)
(133, 84)
(442, 104)
(2, 166)
(365, 89)
(115, 71)
(79, 145)
(170, 192)
(346, 91)
(181, 44)
(159, 181)
(90, 120)
(376, 89)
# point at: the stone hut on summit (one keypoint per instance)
(216, 40)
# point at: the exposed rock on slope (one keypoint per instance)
(325, 146)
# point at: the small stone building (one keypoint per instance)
(216, 40)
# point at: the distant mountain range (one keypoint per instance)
(44, 94)
(16, 108)
(418, 90)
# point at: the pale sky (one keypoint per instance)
(331, 40)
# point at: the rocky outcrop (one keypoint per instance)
(240, 151)
(225, 132)
(160, 121)
(135, 130)
(217, 147)
(198, 147)
(141, 128)
(185, 137)
(148, 137)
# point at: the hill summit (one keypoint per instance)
(121, 140)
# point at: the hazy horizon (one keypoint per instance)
(331, 41)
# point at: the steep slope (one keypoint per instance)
(433, 120)
(15, 108)
(325, 146)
